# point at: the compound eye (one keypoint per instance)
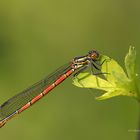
(93, 54)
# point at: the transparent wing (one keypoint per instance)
(19, 100)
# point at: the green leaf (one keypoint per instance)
(110, 94)
(130, 62)
(115, 73)
(86, 80)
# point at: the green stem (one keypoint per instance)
(138, 132)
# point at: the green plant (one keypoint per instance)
(114, 81)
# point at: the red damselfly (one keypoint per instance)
(26, 98)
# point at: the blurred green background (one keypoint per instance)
(36, 37)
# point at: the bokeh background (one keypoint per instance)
(36, 37)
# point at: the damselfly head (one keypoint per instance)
(93, 54)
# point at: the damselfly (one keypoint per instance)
(28, 97)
